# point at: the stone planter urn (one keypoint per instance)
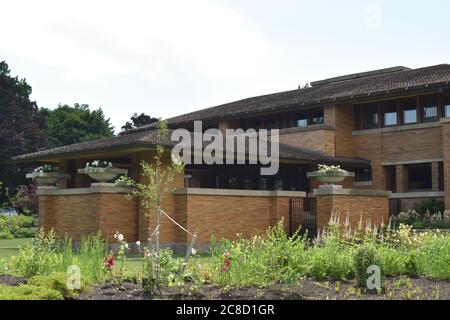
(328, 176)
(102, 174)
(47, 178)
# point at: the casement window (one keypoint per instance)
(302, 120)
(429, 108)
(419, 177)
(363, 174)
(390, 119)
(447, 107)
(317, 117)
(410, 116)
(371, 118)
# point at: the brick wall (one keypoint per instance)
(320, 140)
(374, 208)
(226, 216)
(446, 156)
(82, 214)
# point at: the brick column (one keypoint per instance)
(401, 178)
(446, 155)
(435, 176)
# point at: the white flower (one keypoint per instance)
(115, 235)
(120, 237)
(193, 251)
(126, 245)
(138, 243)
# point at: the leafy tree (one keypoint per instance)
(21, 126)
(138, 120)
(67, 125)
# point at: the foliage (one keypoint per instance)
(21, 127)
(331, 170)
(431, 205)
(38, 258)
(427, 220)
(67, 125)
(365, 256)
(138, 121)
(58, 281)
(25, 199)
(46, 255)
(19, 226)
(46, 169)
(28, 292)
(99, 164)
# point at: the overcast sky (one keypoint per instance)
(169, 57)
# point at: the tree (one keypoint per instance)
(157, 182)
(67, 125)
(21, 126)
(138, 121)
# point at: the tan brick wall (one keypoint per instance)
(226, 216)
(446, 156)
(77, 215)
(320, 140)
(370, 207)
(344, 128)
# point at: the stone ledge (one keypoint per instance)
(424, 194)
(100, 188)
(325, 190)
(240, 193)
(398, 128)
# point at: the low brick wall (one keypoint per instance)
(225, 213)
(78, 212)
(371, 204)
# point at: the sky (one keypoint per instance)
(166, 58)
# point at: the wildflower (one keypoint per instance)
(120, 237)
(138, 243)
(126, 245)
(227, 254)
(193, 251)
(109, 262)
(227, 262)
(224, 269)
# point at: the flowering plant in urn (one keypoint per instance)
(102, 171)
(330, 174)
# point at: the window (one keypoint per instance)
(447, 107)
(390, 119)
(363, 174)
(317, 117)
(419, 177)
(371, 119)
(391, 178)
(430, 108)
(409, 116)
(302, 120)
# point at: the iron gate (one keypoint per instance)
(302, 215)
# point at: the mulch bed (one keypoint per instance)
(420, 288)
(11, 280)
(397, 288)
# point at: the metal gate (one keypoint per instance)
(302, 215)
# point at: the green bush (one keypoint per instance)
(17, 227)
(28, 292)
(58, 281)
(432, 205)
(365, 256)
(433, 257)
(40, 257)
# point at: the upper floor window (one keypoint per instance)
(371, 118)
(429, 108)
(302, 120)
(447, 107)
(409, 116)
(317, 117)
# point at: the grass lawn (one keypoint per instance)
(10, 247)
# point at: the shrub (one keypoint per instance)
(365, 256)
(40, 257)
(17, 227)
(58, 281)
(433, 256)
(28, 292)
(432, 205)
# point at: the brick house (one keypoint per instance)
(391, 127)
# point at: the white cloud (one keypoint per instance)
(91, 40)
(373, 21)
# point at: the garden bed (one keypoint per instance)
(397, 288)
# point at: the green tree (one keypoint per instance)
(138, 121)
(67, 125)
(21, 127)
